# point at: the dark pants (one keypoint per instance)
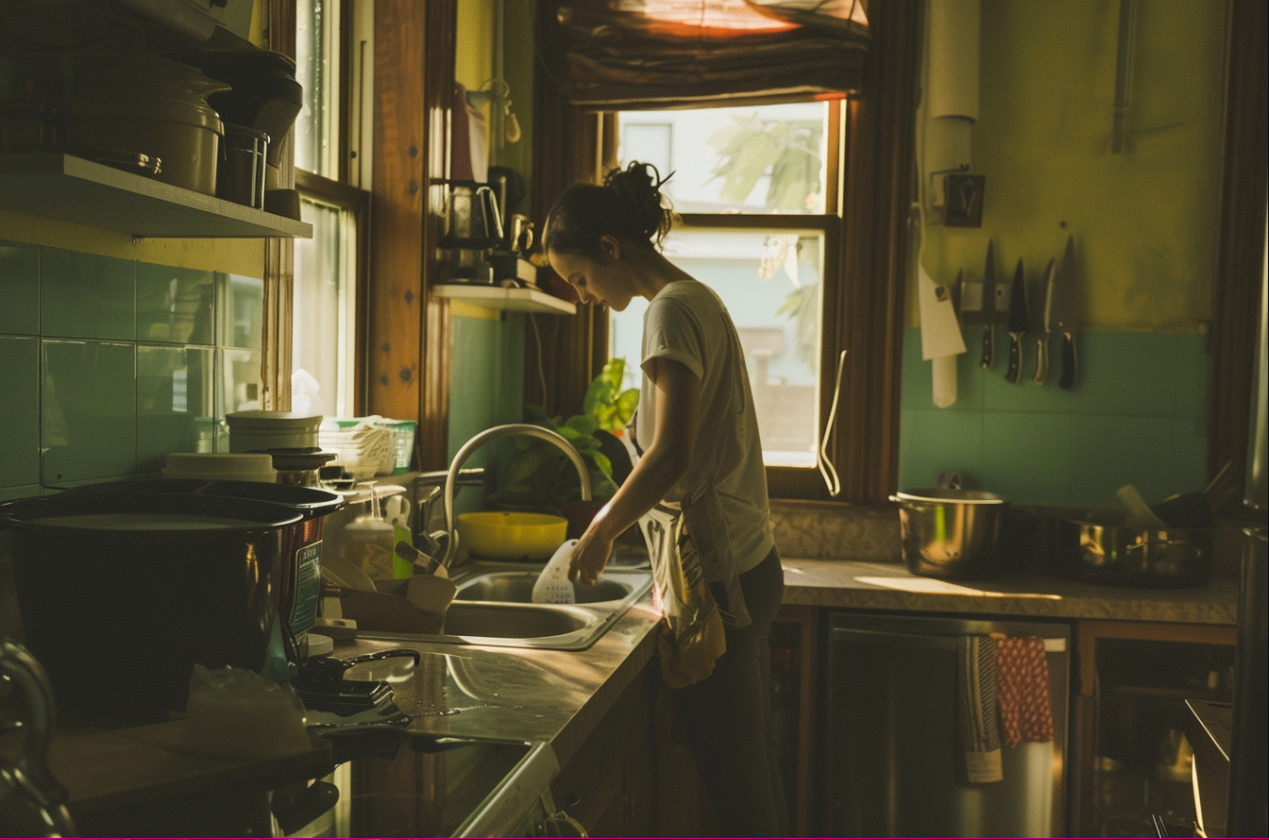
(728, 716)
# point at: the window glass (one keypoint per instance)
(766, 165)
(323, 312)
(770, 283)
(317, 69)
(754, 159)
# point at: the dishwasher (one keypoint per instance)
(892, 764)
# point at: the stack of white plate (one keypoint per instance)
(364, 447)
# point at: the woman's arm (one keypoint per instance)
(663, 463)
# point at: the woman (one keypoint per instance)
(698, 432)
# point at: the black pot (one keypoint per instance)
(122, 594)
(300, 575)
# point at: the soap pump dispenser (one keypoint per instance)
(369, 541)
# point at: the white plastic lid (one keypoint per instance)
(221, 466)
(273, 421)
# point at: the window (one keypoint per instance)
(752, 185)
(326, 306)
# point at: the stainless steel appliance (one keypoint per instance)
(1248, 812)
(892, 763)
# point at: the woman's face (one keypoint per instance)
(604, 283)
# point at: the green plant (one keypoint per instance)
(533, 474)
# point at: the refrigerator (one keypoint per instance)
(892, 763)
(1248, 814)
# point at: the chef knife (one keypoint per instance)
(1018, 322)
(1062, 311)
(991, 307)
(1046, 325)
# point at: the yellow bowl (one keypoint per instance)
(507, 535)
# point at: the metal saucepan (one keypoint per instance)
(1174, 557)
(950, 533)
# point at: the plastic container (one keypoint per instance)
(369, 542)
(509, 535)
(221, 466)
(260, 431)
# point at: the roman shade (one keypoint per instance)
(639, 54)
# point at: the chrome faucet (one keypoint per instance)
(452, 478)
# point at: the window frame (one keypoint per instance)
(875, 186)
(806, 482)
(279, 276)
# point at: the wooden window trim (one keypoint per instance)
(874, 181)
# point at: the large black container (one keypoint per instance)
(300, 577)
(121, 594)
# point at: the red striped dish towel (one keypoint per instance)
(1022, 672)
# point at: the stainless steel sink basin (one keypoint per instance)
(517, 587)
(516, 621)
(494, 607)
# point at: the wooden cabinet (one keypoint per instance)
(607, 785)
(794, 672)
(1131, 761)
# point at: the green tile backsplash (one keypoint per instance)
(87, 296)
(1137, 415)
(19, 288)
(88, 410)
(19, 410)
(107, 365)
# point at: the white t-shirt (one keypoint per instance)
(687, 322)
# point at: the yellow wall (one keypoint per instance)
(473, 62)
(1145, 220)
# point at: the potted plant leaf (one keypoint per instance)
(531, 474)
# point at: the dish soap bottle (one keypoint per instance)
(369, 541)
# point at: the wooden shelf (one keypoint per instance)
(76, 190)
(510, 300)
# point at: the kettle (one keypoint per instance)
(32, 803)
(472, 219)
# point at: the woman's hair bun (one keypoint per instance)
(628, 205)
(638, 191)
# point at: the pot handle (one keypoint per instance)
(19, 665)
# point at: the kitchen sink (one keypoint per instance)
(516, 621)
(517, 587)
(494, 606)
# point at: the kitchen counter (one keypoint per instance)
(560, 696)
(515, 694)
(848, 584)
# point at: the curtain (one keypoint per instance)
(632, 54)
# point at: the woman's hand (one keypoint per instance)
(590, 556)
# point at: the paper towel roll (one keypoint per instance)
(944, 380)
(940, 332)
(954, 50)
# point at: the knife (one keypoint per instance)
(1018, 323)
(1062, 311)
(1046, 324)
(992, 296)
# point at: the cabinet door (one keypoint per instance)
(1133, 761)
